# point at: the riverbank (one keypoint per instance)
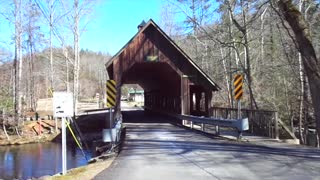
(31, 132)
(91, 127)
(84, 172)
(16, 140)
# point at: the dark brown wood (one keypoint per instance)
(152, 60)
(185, 95)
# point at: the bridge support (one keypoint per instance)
(185, 94)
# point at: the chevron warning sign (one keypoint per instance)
(111, 93)
(238, 82)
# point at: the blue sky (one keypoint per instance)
(111, 25)
(115, 22)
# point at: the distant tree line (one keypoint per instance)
(45, 56)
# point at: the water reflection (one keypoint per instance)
(35, 160)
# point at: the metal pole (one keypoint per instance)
(239, 110)
(64, 146)
(276, 125)
(239, 117)
(110, 125)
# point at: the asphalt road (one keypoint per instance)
(161, 151)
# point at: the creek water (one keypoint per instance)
(36, 160)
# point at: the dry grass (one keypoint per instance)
(85, 172)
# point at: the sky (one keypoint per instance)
(114, 23)
(111, 24)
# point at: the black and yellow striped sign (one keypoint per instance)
(50, 92)
(238, 82)
(111, 93)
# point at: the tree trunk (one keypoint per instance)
(303, 39)
(51, 29)
(262, 29)
(3, 124)
(67, 70)
(302, 109)
(247, 67)
(229, 91)
(76, 56)
(5, 131)
(231, 39)
(17, 59)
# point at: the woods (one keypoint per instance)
(273, 43)
(304, 44)
(45, 58)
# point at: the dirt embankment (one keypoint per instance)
(31, 132)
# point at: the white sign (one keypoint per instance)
(62, 104)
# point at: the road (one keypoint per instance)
(161, 151)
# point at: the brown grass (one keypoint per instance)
(84, 172)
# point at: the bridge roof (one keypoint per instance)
(186, 60)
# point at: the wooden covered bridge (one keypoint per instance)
(172, 82)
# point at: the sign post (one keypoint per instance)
(64, 146)
(111, 102)
(63, 108)
(238, 92)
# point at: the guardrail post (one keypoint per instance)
(239, 135)
(217, 130)
(276, 125)
(202, 127)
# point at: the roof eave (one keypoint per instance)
(186, 56)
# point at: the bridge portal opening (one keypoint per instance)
(160, 83)
(171, 81)
(132, 94)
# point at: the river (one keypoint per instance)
(36, 160)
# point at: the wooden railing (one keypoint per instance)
(261, 122)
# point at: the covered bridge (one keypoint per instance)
(172, 82)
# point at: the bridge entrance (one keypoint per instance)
(172, 82)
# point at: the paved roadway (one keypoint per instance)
(161, 151)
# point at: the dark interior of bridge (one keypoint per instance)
(154, 77)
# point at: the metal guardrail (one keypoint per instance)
(93, 111)
(239, 124)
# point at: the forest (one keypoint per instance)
(262, 40)
(273, 43)
(44, 56)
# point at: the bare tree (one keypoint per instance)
(304, 44)
(33, 37)
(76, 67)
(17, 58)
(243, 26)
(80, 10)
